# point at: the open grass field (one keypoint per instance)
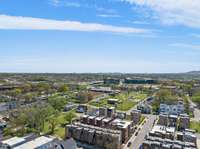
(126, 100)
(195, 125)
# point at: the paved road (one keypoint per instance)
(196, 111)
(136, 141)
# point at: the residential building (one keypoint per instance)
(111, 112)
(29, 142)
(173, 109)
(42, 142)
(69, 107)
(82, 109)
(124, 126)
(163, 120)
(184, 122)
(112, 101)
(144, 108)
(135, 116)
(103, 111)
(92, 135)
(172, 120)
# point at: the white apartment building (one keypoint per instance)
(174, 109)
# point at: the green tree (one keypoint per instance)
(16, 92)
(163, 94)
(27, 87)
(69, 116)
(43, 87)
(53, 122)
(29, 97)
(63, 88)
(19, 123)
(57, 102)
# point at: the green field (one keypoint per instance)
(126, 100)
(195, 125)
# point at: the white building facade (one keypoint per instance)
(174, 109)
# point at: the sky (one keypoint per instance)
(128, 36)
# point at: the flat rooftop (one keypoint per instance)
(36, 143)
(13, 141)
(163, 129)
(120, 123)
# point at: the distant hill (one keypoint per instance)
(194, 72)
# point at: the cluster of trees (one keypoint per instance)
(63, 88)
(29, 91)
(57, 102)
(166, 96)
(35, 119)
(29, 120)
(163, 96)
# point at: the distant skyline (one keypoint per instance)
(128, 36)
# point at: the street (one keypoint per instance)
(196, 111)
(136, 141)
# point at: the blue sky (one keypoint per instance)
(136, 36)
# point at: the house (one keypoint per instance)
(69, 107)
(144, 108)
(112, 101)
(174, 109)
(82, 109)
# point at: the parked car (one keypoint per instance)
(129, 144)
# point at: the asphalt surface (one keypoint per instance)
(196, 111)
(136, 141)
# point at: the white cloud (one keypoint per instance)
(108, 15)
(184, 12)
(29, 23)
(186, 45)
(140, 22)
(55, 2)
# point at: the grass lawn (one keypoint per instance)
(126, 105)
(102, 102)
(195, 125)
(126, 101)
